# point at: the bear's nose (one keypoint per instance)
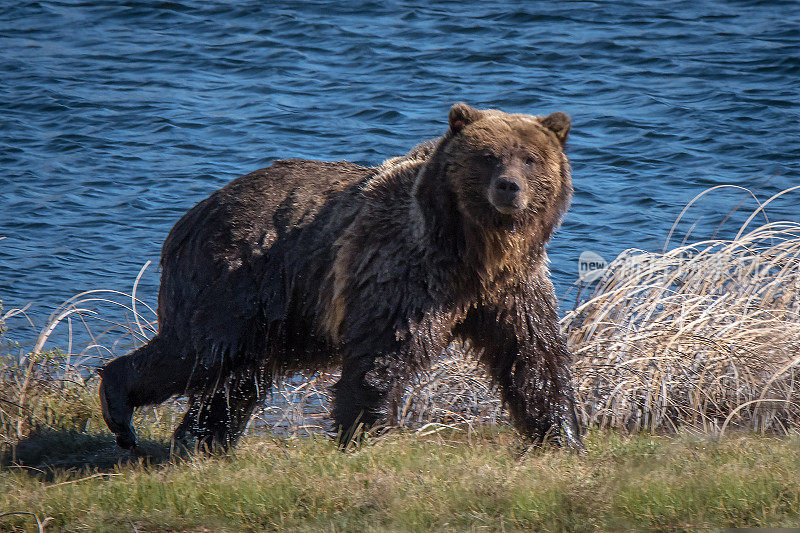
(507, 191)
(506, 185)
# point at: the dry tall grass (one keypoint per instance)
(55, 387)
(706, 335)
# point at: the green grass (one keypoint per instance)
(454, 480)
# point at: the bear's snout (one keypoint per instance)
(507, 195)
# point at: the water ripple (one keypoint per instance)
(117, 117)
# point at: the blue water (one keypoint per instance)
(117, 116)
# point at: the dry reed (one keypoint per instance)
(705, 335)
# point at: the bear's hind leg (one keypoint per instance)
(218, 417)
(117, 409)
(147, 376)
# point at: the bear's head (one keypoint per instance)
(507, 168)
(505, 174)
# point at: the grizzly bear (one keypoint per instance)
(306, 265)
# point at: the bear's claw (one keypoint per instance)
(127, 439)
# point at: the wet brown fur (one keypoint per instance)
(305, 265)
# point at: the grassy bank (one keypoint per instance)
(686, 367)
(451, 480)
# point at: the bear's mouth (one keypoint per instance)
(508, 210)
(511, 207)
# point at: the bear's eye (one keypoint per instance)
(530, 161)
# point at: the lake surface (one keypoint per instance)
(116, 117)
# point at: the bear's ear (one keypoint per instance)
(558, 123)
(460, 115)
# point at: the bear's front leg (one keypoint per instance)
(528, 360)
(363, 394)
(537, 388)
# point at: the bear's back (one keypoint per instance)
(218, 251)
